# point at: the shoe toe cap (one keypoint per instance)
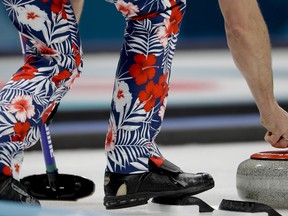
(197, 179)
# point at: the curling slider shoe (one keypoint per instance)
(264, 178)
(179, 205)
(164, 179)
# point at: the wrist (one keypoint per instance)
(267, 107)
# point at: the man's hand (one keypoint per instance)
(276, 124)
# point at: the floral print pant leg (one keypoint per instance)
(141, 82)
(53, 60)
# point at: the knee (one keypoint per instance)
(44, 55)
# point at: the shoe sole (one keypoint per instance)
(117, 202)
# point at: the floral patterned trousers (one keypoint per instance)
(53, 59)
(142, 82)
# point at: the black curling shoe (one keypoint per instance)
(13, 190)
(163, 180)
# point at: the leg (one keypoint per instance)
(134, 163)
(53, 60)
(141, 88)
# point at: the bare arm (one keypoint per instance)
(249, 43)
(78, 8)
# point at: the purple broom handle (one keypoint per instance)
(47, 149)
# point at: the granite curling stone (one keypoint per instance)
(264, 178)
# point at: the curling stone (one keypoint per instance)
(264, 178)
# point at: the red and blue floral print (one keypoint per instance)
(53, 60)
(142, 82)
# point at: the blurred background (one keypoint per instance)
(209, 101)
(102, 26)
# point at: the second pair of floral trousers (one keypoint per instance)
(53, 59)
